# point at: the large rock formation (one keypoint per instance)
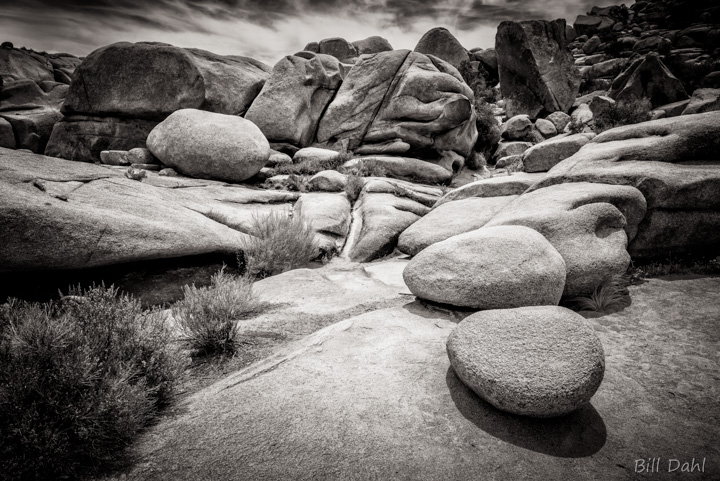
(489, 268)
(295, 96)
(403, 95)
(674, 162)
(148, 81)
(648, 78)
(537, 72)
(589, 224)
(541, 361)
(208, 145)
(442, 44)
(370, 45)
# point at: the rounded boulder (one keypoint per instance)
(541, 361)
(489, 268)
(207, 145)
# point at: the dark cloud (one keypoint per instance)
(267, 29)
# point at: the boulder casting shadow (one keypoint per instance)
(579, 434)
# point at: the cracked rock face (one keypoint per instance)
(295, 96)
(404, 95)
(540, 361)
(537, 71)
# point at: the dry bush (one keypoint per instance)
(312, 167)
(207, 316)
(623, 113)
(79, 379)
(280, 242)
(610, 295)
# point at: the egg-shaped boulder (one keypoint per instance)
(489, 268)
(209, 145)
(539, 361)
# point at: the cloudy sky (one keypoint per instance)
(264, 29)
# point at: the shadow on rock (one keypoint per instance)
(576, 435)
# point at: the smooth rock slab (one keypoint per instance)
(541, 361)
(489, 268)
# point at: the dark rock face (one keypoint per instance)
(442, 44)
(121, 91)
(292, 101)
(152, 80)
(402, 95)
(370, 45)
(537, 73)
(648, 78)
(336, 47)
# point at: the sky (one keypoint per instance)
(263, 29)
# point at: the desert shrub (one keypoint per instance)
(207, 316)
(704, 264)
(366, 168)
(279, 242)
(612, 294)
(354, 186)
(623, 113)
(312, 167)
(488, 129)
(78, 380)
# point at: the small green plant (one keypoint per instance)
(610, 295)
(353, 186)
(313, 166)
(623, 113)
(366, 168)
(79, 379)
(279, 242)
(207, 316)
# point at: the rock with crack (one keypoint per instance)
(377, 221)
(589, 224)
(648, 78)
(329, 214)
(295, 96)
(674, 162)
(540, 361)
(450, 219)
(57, 214)
(537, 71)
(403, 95)
(489, 268)
(147, 81)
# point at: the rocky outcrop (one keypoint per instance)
(500, 185)
(542, 361)
(442, 44)
(57, 214)
(414, 170)
(148, 81)
(703, 100)
(674, 163)
(489, 268)
(402, 95)
(450, 219)
(370, 45)
(543, 156)
(589, 224)
(295, 96)
(648, 78)
(537, 73)
(336, 47)
(208, 145)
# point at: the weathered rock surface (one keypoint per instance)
(7, 137)
(442, 44)
(209, 145)
(539, 361)
(450, 219)
(703, 100)
(543, 156)
(149, 80)
(537, 72)
(81, 137)
(516, 128)
(406, 168)
(378, 221)
(370, 45)
(489, 268)
(58, 214)
(329, 215)
(17, 64)
(327, 181)
(500, 185)
(295, 96)
(402, 95)
(589, 224)
(648, 78)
